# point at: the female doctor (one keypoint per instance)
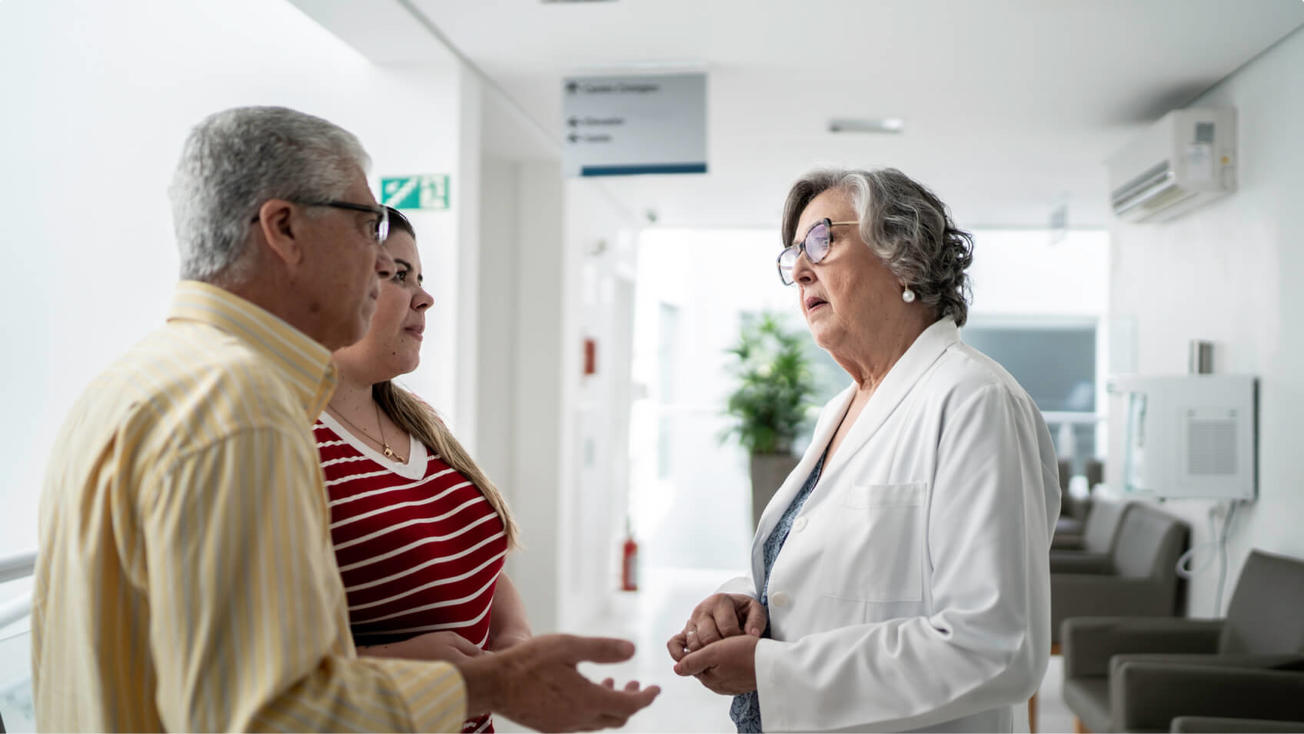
(899, 576)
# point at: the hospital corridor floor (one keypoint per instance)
(650, 615)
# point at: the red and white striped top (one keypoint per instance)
(418, 545)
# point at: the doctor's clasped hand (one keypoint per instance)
(719, 641)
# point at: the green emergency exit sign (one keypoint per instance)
(415, 192)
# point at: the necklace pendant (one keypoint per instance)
(389, 453)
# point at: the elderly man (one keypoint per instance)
(186, 579)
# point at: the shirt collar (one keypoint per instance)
(304, 362)
(933, 341)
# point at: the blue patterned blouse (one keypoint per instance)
(746, 708)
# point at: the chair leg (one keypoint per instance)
(1032, 714)
(1078, 728)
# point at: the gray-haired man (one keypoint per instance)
(186, 579)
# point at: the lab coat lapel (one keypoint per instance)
(900, 380)
(783, 497)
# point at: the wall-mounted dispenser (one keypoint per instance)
(1190, 436)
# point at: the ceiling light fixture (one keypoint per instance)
(878, 125)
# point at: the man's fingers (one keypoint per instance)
(624, 703)
(464, 646)
(607, 721)
(645, 696)
(596, 649)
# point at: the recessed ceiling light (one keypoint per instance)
(880, 125)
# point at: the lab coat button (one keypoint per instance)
(780, 599)
(798, 524)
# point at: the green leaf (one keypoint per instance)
(775, 384)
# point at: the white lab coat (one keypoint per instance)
(913, 591)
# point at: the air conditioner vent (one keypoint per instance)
(1167, 197)
(1158, 175)
(1181, 162)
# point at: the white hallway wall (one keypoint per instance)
(599, 305)
(100, 98)
(97, 100)
(1233, 273)
(541, 429)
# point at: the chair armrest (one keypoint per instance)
(1071, 506)
(1149, 695)
(1217, 725)
(1089, 642)
(1246, 661)
(1092, 595)
(1064, 540)
(1071, 561)
(1067, 524)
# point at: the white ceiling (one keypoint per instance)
(1010, 105)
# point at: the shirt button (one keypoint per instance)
(798, 524)
(780, 599)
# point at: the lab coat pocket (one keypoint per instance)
(891, 562)
(835, 611)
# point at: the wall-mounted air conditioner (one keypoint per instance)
(1183, 161)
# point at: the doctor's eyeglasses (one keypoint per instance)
(815, 244)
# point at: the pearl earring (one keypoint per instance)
(908, 295)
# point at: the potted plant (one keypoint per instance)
(771, 402)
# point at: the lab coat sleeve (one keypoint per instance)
(985, 639)
(739, 585)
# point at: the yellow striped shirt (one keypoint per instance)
(186, 579)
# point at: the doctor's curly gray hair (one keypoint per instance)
(906, 225)
(234, 161)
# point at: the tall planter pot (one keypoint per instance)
(768, 473)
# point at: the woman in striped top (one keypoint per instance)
(420, 532)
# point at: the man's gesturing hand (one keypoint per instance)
(535, 683)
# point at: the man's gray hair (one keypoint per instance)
(906, 225)
(233, 162)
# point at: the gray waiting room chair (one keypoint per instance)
(1136, 578)
(1225, 725)
(1089, 550)
(1140, 674)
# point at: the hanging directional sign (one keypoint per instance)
(628, 125)
(415, 192)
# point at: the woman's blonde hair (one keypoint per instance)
(420, 420)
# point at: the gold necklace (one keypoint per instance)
(389, 452)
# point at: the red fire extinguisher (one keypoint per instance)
(629, 561)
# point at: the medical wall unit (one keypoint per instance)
(1190, 436)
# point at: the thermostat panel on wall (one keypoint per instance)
(1190, 436)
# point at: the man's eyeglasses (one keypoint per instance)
(815, 244)
(381, 230)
